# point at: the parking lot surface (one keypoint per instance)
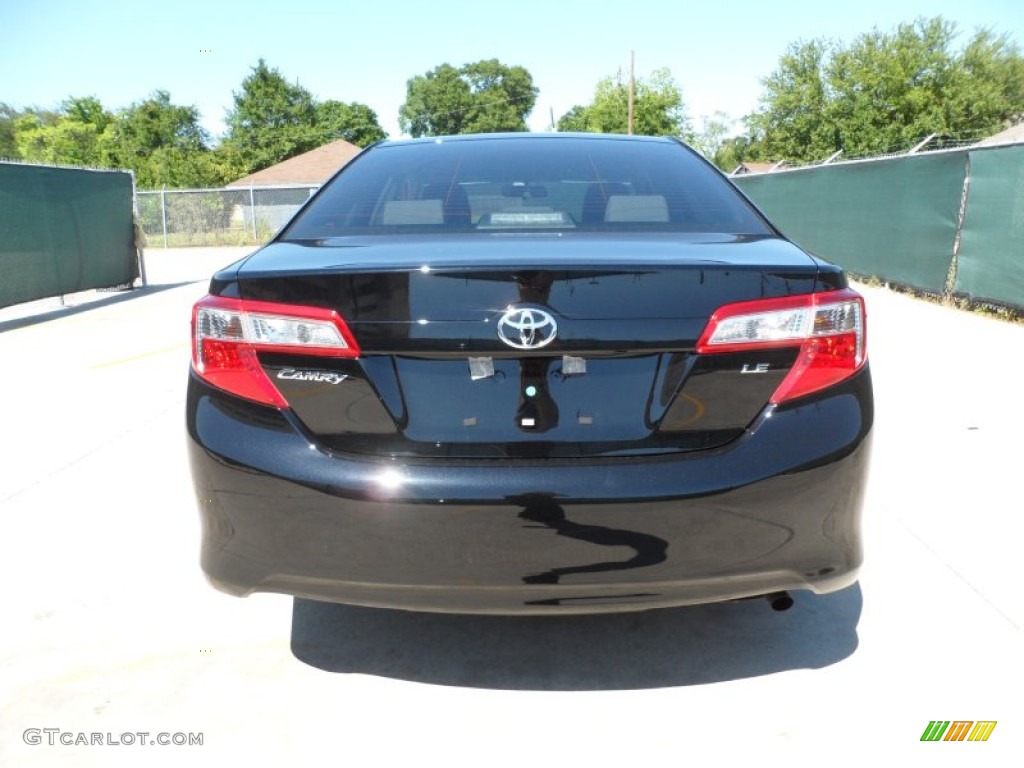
(111, 629)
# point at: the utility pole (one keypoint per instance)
(629, 117)
(554, 126)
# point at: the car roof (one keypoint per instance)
(524, 136)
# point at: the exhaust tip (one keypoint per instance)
(780, 601)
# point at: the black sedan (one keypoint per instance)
(530, 373)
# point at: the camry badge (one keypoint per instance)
(320, 377)
(527, 328)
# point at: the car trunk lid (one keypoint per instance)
(437, 375)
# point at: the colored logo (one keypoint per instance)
(958, 730)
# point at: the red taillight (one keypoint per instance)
(828, 327)
(227, 334)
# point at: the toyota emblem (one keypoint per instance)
(527, 328)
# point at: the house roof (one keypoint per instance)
(313, 167)
(1011, 135)
(758, 167)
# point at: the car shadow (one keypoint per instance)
(55, 313)
(653, 649)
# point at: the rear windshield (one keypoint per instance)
(524, 184)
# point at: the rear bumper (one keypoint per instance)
(777, 509)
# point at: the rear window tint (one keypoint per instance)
(528, 183)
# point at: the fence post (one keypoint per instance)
(137, 231)
(921, 144)
(163, 211)
(252, 211)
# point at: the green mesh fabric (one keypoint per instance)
(63, 230)
(894, 218)
(991, 261)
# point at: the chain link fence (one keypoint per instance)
(207, 217)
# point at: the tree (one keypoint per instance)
(887, 91)
(435, 103)
(713, 134)
(735, 150)
(658, 108)
(271, 120)
(156, 122)
(162, 142)
(486, 96)
(574, 121)
(502, 97)
(993, 72)
(8, 145)
(353, 122)
(70, 136)
(165, 144)
(791, 122)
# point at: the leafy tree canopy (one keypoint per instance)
(273, 120)
(486, 96)
(733, 151)
(354, 122)
(886, 91)
(70, 136)
(162, 142)
(8, 145)
(658, 108)
(713, 135)
(165, 144)
(156, 122)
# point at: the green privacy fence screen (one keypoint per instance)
(63, 230)
(898, 219)
(990, 264)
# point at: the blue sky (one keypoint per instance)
(366, 51)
